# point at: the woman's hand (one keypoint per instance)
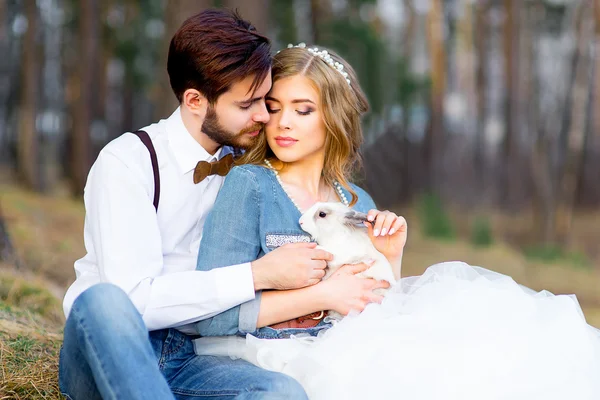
(344, 291)
(388, 233)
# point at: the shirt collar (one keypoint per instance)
(186, 149)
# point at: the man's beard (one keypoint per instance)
(214, 130)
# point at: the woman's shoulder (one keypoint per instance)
(249, 170)
(244, 183)
(365, 201)
(252, 177)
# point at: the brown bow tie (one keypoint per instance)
(220, 167)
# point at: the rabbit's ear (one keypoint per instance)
(355, 219)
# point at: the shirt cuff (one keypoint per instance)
(235, 283)
(249, 314)
(181, 298)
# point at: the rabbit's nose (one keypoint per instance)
(301, 222)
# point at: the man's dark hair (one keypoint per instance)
(215, 49)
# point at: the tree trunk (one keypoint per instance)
(408, 39)
(176, 12)
(302, 13)
(580, 98)
(127, 97)
(435, 134)
(465, 53)
(510, 154)
(544, 200)
(5, 72)
(315, 12)
(254, 12)
(52, 102)
(544, 197)
(3, 15)
(481, 47)
(128, 86)
(527, 69)
(596, 112)
(27, 144)
(410, 29)
(595, 137)
(7, 251)
(106, 48)
(84, 106)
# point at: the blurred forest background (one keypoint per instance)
(484, 132)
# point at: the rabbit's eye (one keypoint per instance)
(322, 214)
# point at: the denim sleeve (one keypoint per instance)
(231, 236)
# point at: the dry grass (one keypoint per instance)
(46, 231)
(30, 339)
(29, 366)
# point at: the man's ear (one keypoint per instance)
(195, 102)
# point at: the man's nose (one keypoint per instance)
(262, 115)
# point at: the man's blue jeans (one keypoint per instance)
(107, 353)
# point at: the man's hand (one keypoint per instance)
(291, 266)
(343, 291)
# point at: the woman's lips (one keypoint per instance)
(285, 141)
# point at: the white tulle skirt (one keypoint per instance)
(455, 332)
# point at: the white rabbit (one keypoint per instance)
(341, 231)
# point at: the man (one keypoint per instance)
(144, 219)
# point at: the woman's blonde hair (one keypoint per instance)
(342, 105)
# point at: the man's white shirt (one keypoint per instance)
(152, 255)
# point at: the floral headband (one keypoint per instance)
(324, 55)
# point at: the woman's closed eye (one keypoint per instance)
(305, 112)
(272, 110)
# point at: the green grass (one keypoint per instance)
(434, 218)
(556, 254)
(481, 232)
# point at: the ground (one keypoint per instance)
(47, 233)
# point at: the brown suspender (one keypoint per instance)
(148, 143)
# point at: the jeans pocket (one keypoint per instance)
(173, 342)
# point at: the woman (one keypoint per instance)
(307, 154)
(457, 332)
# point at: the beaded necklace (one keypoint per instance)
(336, 185)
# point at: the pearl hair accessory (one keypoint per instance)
(324, 55)
(336, 184)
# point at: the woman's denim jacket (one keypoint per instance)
(252, 216)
